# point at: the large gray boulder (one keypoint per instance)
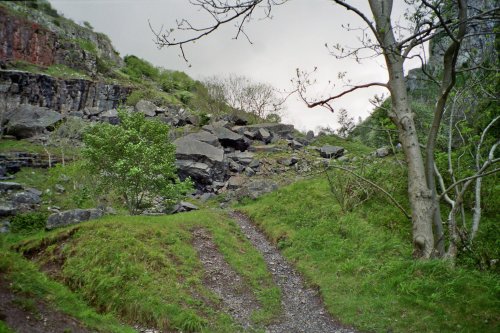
(28, 120)
(202, 162)
(382, 152)
(146, 107)
(191, 149)
(228, 138)
(204, 136)
(70, 217)
(240, 157)
(331, 151)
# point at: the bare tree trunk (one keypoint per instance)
(419, 194)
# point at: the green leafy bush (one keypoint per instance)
(135, 159)
(138, 68)
(28, 222)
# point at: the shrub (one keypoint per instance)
(135, 159)
(28, 222)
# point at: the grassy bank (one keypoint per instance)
(361, 261)
(145, 270)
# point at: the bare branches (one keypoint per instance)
(222, 12)
(391, 198)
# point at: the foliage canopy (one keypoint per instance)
(135, 159)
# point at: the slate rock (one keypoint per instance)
(289, 161)
(263, 135)
(70, 217)
(244, 158)
(310, 136)
(10, 186)
(281, 130)
(184, 206)
(328, 151)
(228, 138)
(204, 136)
(28, 120)
(7, 209)
(295, 144)
(146, 107)
(235, 182)
(26, 197)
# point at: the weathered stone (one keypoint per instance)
(235, 182)
(382, 152)
(331, 151)
(228, 138)
(59, 188)
(7, 209)
(310, 136)
(244, 158)
(249, 172)
(70, 217)
(295, 144)
(205, 197)
(28, 120)
(9, 186)
(190, 149)
(263, 135)
(235, 167)
(110, 116)
(199, 160)
(255, 164)
(289, 161)
(184, 206)
(27, 197)
(146, 107)
(204, 136)
(200, 173)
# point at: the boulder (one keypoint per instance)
(110, 116)
(254, 164)
(235, 167)
(27, 198)
(29, 120)
(310, 136)
(263, 135)
(204, 136)
(70, 217)
(199, 160)
(244, 158)
(331, 151)
(289, 161)
(7, 209)
(184, 206)
(146, 107)
(10, 186)
(200, 173)
(228, 138)
(294, 144)
(382, 152)
(235, 182)
(256, 188)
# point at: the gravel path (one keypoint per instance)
(303, 309)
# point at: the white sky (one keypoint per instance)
(294, 38)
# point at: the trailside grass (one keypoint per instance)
(145, 270)
(362, 263)
(27, 281)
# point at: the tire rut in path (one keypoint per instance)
(303, 309)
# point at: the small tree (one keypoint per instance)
(135, 159)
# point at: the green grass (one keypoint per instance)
(29, 284)
(8, 145)
(362, 263)
(353, 147)
(145, 269)
(4, 328)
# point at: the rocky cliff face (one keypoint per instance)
(30, 36)
(63, 96)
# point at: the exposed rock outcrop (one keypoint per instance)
(18, 88)
(70, 217)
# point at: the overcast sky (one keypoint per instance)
(294, 38)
